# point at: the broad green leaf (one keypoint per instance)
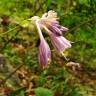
(40, 91)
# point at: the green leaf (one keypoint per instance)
(19, 92)
(83, 1)
(25, 23)
(40, 91)
(49, 2)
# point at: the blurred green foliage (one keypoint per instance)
(73, 14)
(43, 92)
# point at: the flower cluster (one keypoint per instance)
(49, 23)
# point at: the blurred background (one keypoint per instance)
(19, 49)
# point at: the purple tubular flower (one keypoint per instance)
(44, 55)
(60, 43)
(49, 22)
(54, 27)
(55, 30)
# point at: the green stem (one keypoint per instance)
(8, 31)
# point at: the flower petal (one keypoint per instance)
(60, 43)
(44, 54)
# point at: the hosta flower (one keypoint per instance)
(60, 43)
(49, 22)
(44, 55)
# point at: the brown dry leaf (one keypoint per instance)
(19, 48)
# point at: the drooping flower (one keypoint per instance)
(50, 20)
(44, 55)
(60, 43)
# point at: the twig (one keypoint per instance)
(82, 23)
(10, 75)
(10, 40)
(8, 31)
